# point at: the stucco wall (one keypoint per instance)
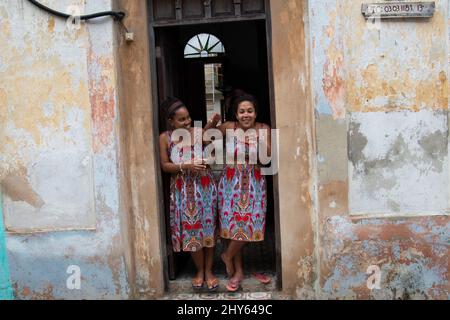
(381, 98)
(58, 151)
(381, 101)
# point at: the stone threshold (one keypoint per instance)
(251, 289)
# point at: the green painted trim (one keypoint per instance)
(6, 291)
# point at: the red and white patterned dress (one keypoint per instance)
(193, 205)
(242, 198)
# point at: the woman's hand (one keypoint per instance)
(215, 119)
(195, 167)
(213, 122)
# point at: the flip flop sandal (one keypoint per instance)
(197, 284)
(212, 284)
(261, 278)
(233, 286)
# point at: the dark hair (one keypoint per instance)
(242, 98)
(230, 96)
(170, 107)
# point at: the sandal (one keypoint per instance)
(233, 285)
(212, 284)
(197, 284)
(262, 278)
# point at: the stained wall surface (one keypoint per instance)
(374, 193)
(58, 152)
(380, 90)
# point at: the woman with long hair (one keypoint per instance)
(242, 200)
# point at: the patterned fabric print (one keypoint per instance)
(242, 200)
(193, 205)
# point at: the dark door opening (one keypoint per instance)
(198, 82)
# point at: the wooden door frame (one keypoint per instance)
(153, 65)
(292, 113)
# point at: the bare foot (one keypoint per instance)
(238, 277)
(211, 281)
(197, 282)
(228, 264)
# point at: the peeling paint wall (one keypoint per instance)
(46, 122)
(58, 152)
(380, 94)
(381, 97)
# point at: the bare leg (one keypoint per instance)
(209, 261)
(227, 257)
(211, 281)
(238, 266)
(238, 276)
(199, 261)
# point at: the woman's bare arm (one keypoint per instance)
(225, 126)
(167, 165)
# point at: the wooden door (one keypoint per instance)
(166, 19)
(167, 66)
(194, 89)
(166, 12)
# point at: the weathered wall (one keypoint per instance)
(381, 98)
(294, 120)
(6, 292)
(381, 102)
(58, 152)
(139, 149)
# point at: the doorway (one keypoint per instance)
(238, 60)
(292, 110)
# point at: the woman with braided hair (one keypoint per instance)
(193, 194)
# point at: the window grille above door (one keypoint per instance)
(204, 45)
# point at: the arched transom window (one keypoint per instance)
(204, 45)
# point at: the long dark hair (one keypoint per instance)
(242, 98)
(230, 98)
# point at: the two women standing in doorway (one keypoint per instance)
(238, 200)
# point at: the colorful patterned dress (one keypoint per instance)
(242, 198)
(193, 206)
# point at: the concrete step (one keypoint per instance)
(228, 296)
(249, 285)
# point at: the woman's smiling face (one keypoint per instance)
(246, 114)
(181, 119)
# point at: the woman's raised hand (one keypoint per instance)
(215, 119)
